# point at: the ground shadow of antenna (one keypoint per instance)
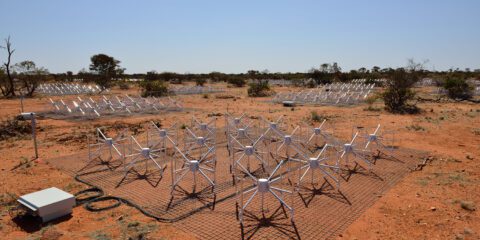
(278, 220)
(99, 165)
(151, 177)
(382, 155)
(347, 173)
(307, 194)
(206, 196)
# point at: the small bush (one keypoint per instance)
(415, 127)
(236, 81)
(315, 117)
(156, 88)
(372, 109)
(457, 88)
(310, 83)
(200, 81)
(370, 100)
(13, 127)
(123, 85)
(259, 89)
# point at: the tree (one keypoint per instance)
(322, 75)
(151, 76)
(69, 76)
(399, 92)
(105, 68)
(30, 76)
(217, 76)
(7, 85)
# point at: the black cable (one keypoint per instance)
(89, 205)
(81, 201)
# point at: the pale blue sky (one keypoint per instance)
(235, 36)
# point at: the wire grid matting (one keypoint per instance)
(319, 214)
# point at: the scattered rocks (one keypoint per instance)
(468, 205)
(468, 231)
(215, 115)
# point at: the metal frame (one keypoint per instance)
(321, 164)
(197, 157)
(350, 149)
(112, 147)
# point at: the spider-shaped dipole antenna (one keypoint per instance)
(107, 104)
(106, 151)
(122, 105)
(350, 149)
(375, 141)
(143, 155)
(288, 147)
(244, 154)
(232, 123)
(260, 188)
(321, 135)
(161, 137)
(322, 164)
(272, 129)
(378, 144)
(54, 105)
(242, 130)
(65, 106)
(206, 130)
(199, 159)
(157, 136)
(173, 104)
(133, 102)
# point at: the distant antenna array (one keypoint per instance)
(279, 82)
(187, 90)
(425, 82)
(118, 104)
(329, 94)
(67, 89)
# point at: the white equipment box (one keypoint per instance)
(49, 204)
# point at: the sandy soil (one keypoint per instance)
(435, 203)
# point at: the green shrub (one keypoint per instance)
(200, 81)
(123, 85)
(457, 88)
(315, 117)
(310, 83)
(236, 81)
(14, 128)
(399, 93)
(156, 88)
(259, 89)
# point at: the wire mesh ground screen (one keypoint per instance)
(321, 212)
